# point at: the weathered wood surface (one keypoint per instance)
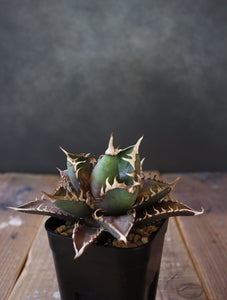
(206, 236)
(38, 279)
(177, 279)
(194, 256)
(17, 231)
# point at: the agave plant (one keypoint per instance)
(111, 194)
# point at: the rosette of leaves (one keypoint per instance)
(111, 194)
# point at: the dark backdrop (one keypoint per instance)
(74, 71)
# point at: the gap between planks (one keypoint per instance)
(191, 258)
(205, 236)
(178, 279)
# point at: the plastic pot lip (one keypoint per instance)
(63, 237)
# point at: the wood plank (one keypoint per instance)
(205, 236)
(38, 279)
(178, 279)
(17, 230)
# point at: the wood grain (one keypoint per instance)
(205, 236)
(38, 279)
(17, 230)
(177, 279)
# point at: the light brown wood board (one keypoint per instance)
(205, 236)
(38, 279)
(178, 279)
(17, 230)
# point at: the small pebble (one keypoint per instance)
(130, 237)
(69, 231)
(139, 243)
(64, 233)
(144, 240)
(140, 231)
(60, 229)
(136, 238)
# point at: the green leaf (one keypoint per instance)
(106, 167)
(79, 170)
(72, 176)
(76, 208)
(152, 191)
(149, 200)
(118, 201)
(125, 168)
(129, 163)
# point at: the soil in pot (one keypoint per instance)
(137, 236)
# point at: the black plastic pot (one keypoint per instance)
(106, 273)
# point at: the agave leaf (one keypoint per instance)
(83, 173)
(83, 236)
(126, 170)
(165, 209)
(82, 167)
(150, 186)
(70, 202)
(123, 164)
(129, 163)
(75, 208)
(148, 200)
(111, 151)
(72, 176)
(79, 170)
(60, 191)
(152, 191)
(65, 183)
(118, 200)
(44, 207)
(118, 226)
(106, 167)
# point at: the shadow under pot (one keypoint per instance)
(106, 272)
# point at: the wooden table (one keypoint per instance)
(194, 262)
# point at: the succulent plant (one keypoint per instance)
(111, 194)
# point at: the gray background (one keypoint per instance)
(72, 72)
